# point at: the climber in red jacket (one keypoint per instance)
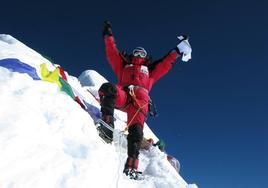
(136, 74)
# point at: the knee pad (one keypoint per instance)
(108, 90)
(107, 93)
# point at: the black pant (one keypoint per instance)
(107, 93)
(134, 139)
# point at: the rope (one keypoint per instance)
(132, 94)
(120, 144)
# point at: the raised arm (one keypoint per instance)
(162, 66)
(111, 50)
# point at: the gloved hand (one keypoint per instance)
(184, 48)
(107, 29)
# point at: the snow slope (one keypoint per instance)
(47, 140)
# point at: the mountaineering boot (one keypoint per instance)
(130, 164)
(131, 169)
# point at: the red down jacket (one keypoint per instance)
(140, 76)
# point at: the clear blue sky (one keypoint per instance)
(213, 110)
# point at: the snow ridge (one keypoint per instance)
(48, 140)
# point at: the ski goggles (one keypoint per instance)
(139, 52)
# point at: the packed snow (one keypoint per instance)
(48, 140)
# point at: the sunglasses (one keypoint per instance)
(139, 52)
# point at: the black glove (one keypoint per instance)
(107, 30)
